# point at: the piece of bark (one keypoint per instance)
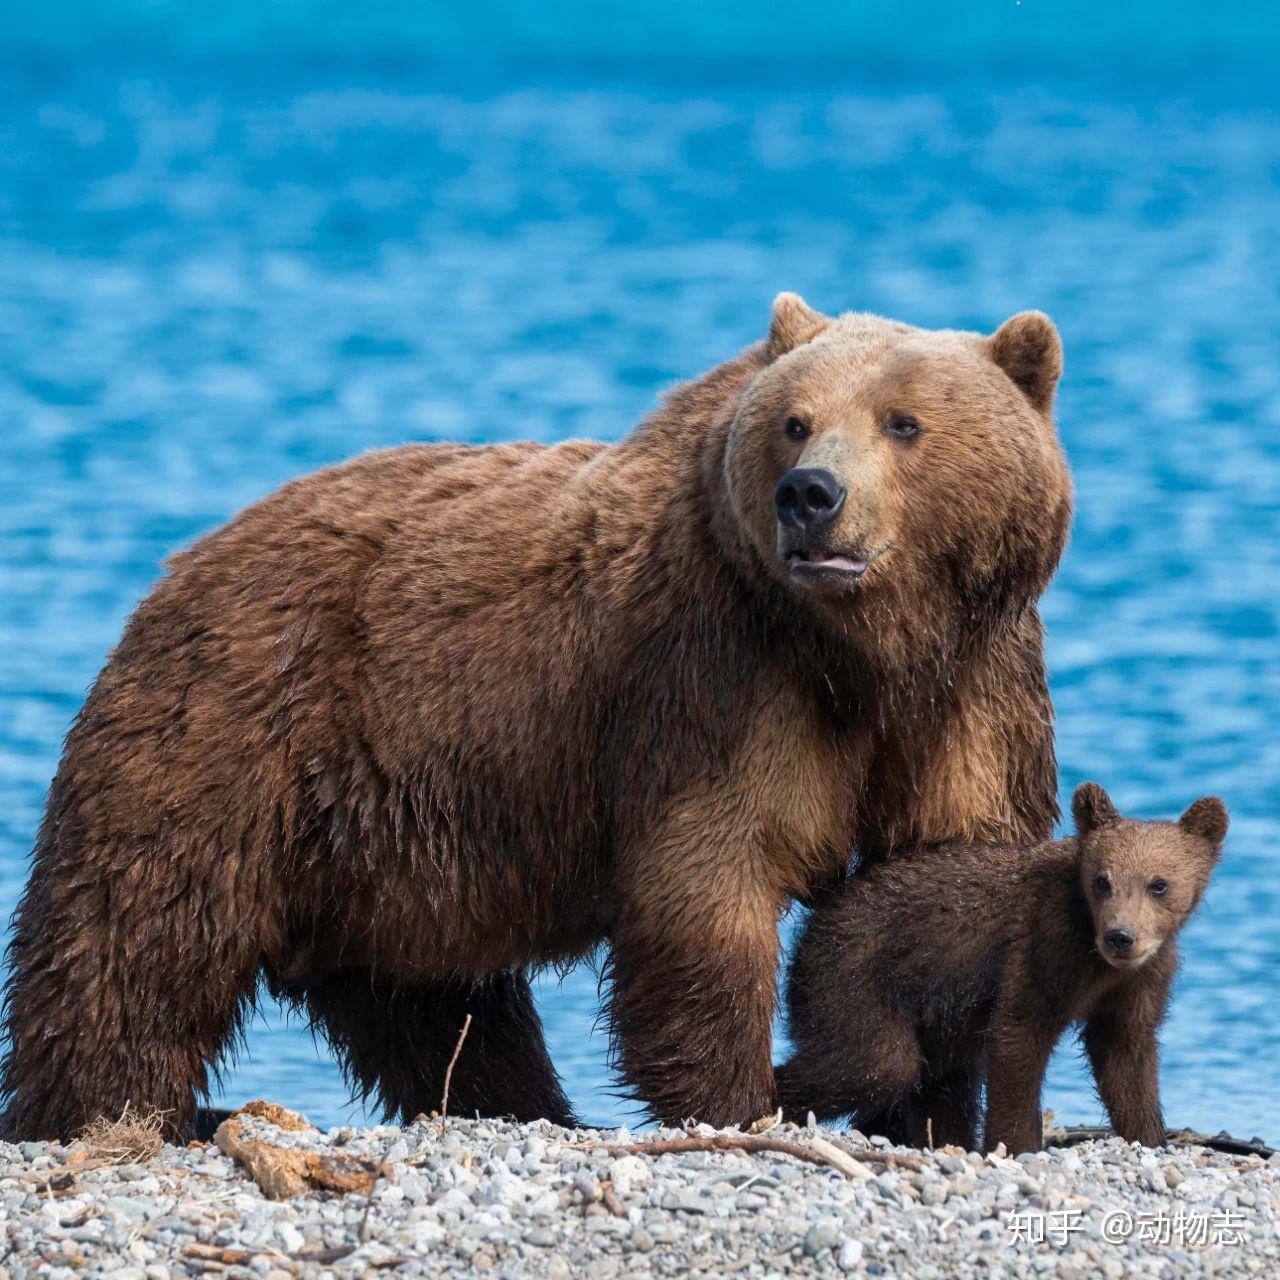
(283, 1173)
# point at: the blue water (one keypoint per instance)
(219, 273)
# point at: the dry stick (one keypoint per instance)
(826, 1154)
(448, 1074)
(610, 1198)
(363, 1234)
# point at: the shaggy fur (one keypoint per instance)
(412, 726)
(925, 974)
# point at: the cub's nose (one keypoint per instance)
(1119, 940)
(808, 497)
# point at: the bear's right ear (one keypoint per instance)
(1028, 349)
(793, 323)
(1092, 808)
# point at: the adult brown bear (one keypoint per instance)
(415, 724)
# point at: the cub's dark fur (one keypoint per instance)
(924, 974)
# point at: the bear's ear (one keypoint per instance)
(1092, 808)
(793, 323)
(1206, 818)
(1028, 349)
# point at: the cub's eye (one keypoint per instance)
(1159, 888)
(797, 429)
(1101, 884)
(902, 427)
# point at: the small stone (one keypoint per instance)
(821, 1237)
(641, 1240)
(290, 1237)
(682, 1200)
(934, 1192)
(128, 1208)
(588, 1187)
(850, 1255)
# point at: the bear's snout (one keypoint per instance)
(809, 497)
(1119, 942)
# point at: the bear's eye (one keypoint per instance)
(797, 429)
(902, 427)
(1159, 888)
(1101, 884)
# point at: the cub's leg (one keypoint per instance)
(866, 1065)
(394, 1039)
(947, 1109)
(1120, 1039)
(1022, 1038)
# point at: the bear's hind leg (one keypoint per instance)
(129, 977)
(395, 1037)
(947, 1110)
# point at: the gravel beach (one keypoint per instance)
(537, 1200)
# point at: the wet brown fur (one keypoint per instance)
(925, 974)
(413, 726)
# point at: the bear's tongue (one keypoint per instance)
(821, 560)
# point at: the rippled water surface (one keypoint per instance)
(212, 283)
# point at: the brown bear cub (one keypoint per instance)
(925, 974)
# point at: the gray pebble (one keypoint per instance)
(820, 1238)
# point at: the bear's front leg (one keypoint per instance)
(1023, 1035)
(1120, 1039)
(694, 964)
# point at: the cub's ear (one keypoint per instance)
(792, 324)
(1092, 808)
(1028, 349)
(1206, 818)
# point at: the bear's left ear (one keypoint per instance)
(793, 323)
(1207, 818)
(1092, 808)
(1028, 349)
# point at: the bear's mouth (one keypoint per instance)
(812, 563)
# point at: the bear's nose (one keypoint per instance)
(809, 496)
(1119, 940)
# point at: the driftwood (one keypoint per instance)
(283, 1173)
(816, 1151)
(1073, 1135)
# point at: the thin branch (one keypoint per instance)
(819, 1153)
(448, 1075)
(363, 1234)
